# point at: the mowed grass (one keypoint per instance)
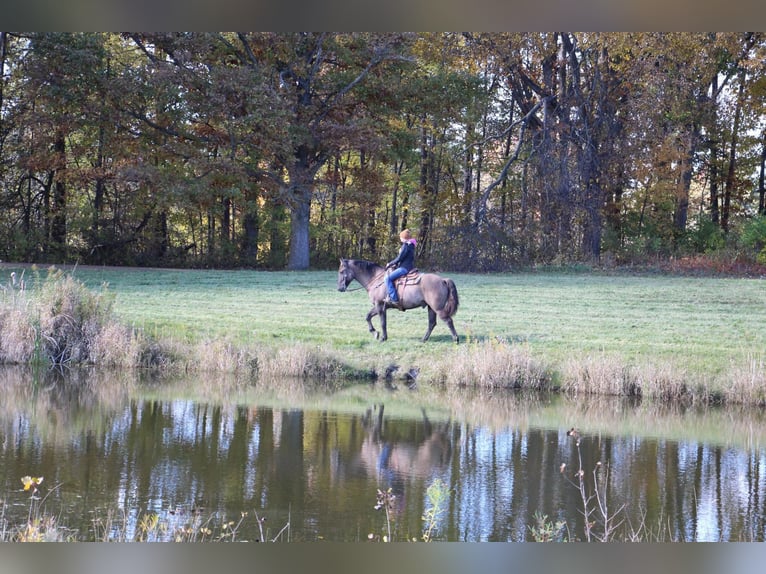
(703, 325)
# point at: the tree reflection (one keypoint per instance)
(319, 469)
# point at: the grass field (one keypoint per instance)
(702, 328)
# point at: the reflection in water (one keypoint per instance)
(107, 446)
(389, 457)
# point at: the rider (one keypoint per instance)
(403, 263)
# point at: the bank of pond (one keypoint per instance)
(91, 455)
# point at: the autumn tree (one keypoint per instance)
(282, 149)
(55, 79)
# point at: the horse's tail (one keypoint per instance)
(450, 307)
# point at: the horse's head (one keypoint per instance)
(345, 275)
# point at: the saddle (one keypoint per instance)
(412, 278)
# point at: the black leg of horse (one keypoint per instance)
(455, 338)
(382, 316)
(370, 315)
(431, 323)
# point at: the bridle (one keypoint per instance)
(354, 289)
(347, 271)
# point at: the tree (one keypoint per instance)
(273, 149)
(55, 78)
(318, 80)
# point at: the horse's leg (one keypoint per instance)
(382, 316)
(451, 326)
(370, 315)
(431, 323)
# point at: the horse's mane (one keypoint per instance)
(368, 266)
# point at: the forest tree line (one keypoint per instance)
(288, 150)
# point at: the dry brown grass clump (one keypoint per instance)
(58, 320)
(115, 345)
(494, 364)
(17, 334)
(220, 356)
(597, 375)
(668, 382)
(70, 318)
(746, 384)
(301, 361)
(609, 375)
(662, 380)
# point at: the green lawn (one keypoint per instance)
(701, 324)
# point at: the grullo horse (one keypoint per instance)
(430, 290)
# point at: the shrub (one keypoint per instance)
(706, 236)
(753, 237)
(71, 317)
(61, 321)
(753, 234)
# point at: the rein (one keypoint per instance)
(373, 278)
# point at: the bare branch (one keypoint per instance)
(482, 212)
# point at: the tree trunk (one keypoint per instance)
(300, 211)
(714, 213)
(729, 186)
(275, 216)
(161, 241)
(211, 238)
(427, 189)
(761, 177)
(226, 225)
(250, 237)
(467, 192)
(3, 57)
(549, 207)
(59, 219)
(684, 182)
(594, 205)
(394, 222)
(300, 191)
(47, 206)
(98, 201)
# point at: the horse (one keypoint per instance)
(430, 290)
(408, 455)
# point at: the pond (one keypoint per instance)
(125, 459)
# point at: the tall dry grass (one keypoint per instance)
(601, 374)
(493, 364)
(58, 320)
(293, 360)
(18, 336)
(747, 383)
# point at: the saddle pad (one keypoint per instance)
(412, 278)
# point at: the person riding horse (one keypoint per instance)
(401, 265)
(432, 291)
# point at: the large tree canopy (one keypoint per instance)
(287, 150)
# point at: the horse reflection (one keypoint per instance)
(401, 458)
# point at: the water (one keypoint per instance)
(304, 467)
